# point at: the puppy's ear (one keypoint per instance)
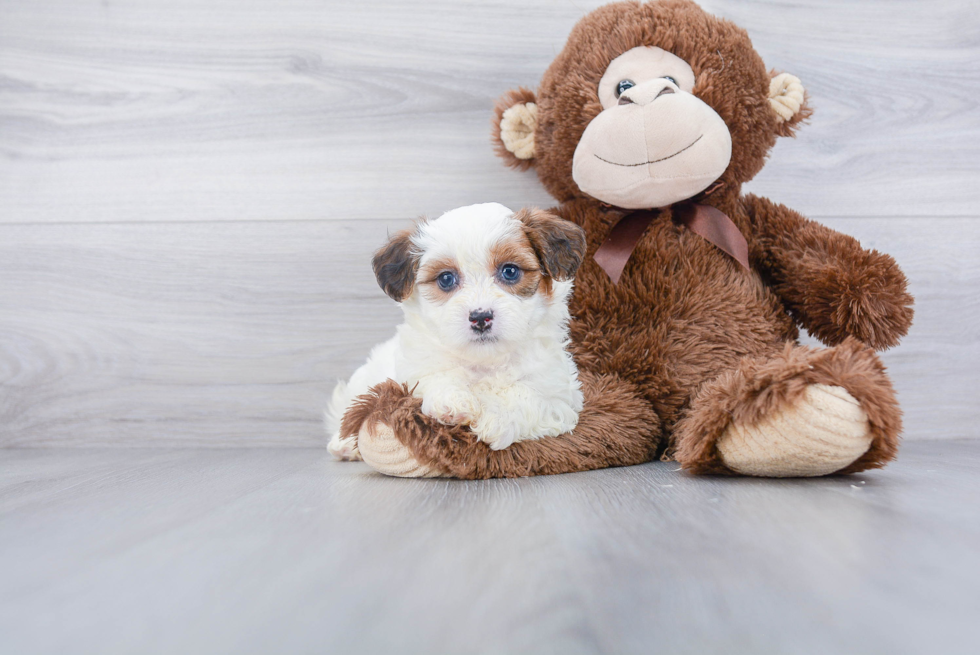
(395, 265)
(559, 244)
(515, 118)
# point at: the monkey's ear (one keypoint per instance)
(396, 264)
(515, 117)
(788, 100)
(559, 244)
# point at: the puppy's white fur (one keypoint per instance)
(516, 381)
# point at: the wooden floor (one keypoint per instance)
(284, 551)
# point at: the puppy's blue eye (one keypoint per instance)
(510, 273)
(668, 77)
(447, 280)
(623, 85)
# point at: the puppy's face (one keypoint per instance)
(480, 277)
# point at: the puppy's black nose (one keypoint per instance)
(481, 320)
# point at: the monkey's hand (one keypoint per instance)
(864, 297)
(830, 284)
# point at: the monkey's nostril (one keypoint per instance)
(643, 98)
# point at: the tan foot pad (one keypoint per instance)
(385, 454)
(823, 432)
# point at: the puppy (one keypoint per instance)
(484, 343)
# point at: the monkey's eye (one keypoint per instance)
(672, 80)
(447, 280)
(510, 273)
(623, 85)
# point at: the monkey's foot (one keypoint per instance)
(824, 431)
(385, 454)
(798, 412)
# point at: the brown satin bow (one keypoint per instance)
(704, 220)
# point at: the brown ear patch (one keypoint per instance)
(523, 256)
(513, 97)
(427, 277)
(558, 244)
(395, 265)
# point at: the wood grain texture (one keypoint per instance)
(231, 334)
(208, 333)
(282, 550)
(295, 109)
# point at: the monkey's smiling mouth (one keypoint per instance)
(654, 161)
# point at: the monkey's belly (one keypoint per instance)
(682, 313)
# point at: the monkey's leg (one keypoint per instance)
(799, 412)
(616, 428)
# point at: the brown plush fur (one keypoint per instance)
(827, 282)
(759, 386)
(688, 340)
(612, 409)
(729, 76)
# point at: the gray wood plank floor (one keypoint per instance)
(281, 550)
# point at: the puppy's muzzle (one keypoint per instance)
(481, 320)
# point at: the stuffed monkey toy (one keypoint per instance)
(687, 308)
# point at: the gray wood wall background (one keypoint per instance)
(190, 191)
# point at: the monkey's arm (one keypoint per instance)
(615, 428)
(830, 284)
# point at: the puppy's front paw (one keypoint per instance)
(496, 429)
(344, 450)
(451, 407)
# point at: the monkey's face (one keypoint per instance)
(649, 104)
(654, 143)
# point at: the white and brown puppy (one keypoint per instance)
(484, 343)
